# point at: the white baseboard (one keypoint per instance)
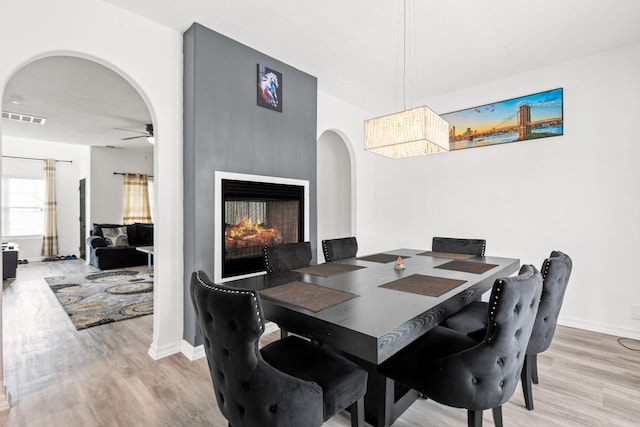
(270, 327)
(34, 259)
(159, 352)
(192, 353)
(602, 328)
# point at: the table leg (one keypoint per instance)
(149, 255)
(385, 396)
(385, 400)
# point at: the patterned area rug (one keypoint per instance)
(104, 297)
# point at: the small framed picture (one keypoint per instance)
(269, 88)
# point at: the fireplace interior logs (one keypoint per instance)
(258, 214)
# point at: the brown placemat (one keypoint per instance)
(423, 285)
(328, 269)
(383, 258)
(311, 297)
(467, 266)
(450, 255)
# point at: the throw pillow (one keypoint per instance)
(116, 236)
(97, 228)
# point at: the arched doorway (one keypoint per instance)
(334, 187)
(88, 107)
(101, 100)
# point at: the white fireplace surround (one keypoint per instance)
(219, 176)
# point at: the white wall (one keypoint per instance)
(106, 188)
(347, 121)
(334, 188)
(68, 176)
(577, 193)
(149, 56)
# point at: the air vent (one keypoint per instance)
(25, 118)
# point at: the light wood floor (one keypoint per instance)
(102, 376)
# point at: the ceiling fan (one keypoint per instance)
(147, 134)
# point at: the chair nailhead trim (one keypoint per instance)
(234, 291)
(325, 250)
(545, 268)
(267, 266)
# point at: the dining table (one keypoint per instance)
(368, 308)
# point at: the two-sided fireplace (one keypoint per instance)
(257, 214)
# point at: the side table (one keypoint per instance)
(149, 251)
(9, 263)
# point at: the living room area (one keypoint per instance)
(78, 203)
(82, 223)
(38, 299)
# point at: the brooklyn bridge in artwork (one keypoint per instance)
(518, 119)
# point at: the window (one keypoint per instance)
(23, 207)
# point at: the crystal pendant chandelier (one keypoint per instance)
(411, 132)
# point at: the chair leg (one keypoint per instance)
(474, 418)
(357, 413)
(497, 416)
(526, 377)
(534, 368)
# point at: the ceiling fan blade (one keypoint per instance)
(131, 130)
(133, 137)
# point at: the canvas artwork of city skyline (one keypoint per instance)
(528, 117)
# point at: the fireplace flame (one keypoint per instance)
(246, 232)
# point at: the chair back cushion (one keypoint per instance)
(249, 391)
(459, 246)
(287, 256)
(486, 375)
(555, 273)
(337, 249)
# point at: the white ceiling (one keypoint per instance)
(83, 102)
(354, 49)
(352, 46)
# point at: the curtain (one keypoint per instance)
(50, 237)
(135, 201)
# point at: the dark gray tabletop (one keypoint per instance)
(378, 322)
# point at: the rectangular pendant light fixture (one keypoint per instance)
(413, 132)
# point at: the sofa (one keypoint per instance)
(114, 245)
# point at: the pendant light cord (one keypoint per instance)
(404, 55)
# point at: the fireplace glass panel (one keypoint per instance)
(251, 225)
(257, 215)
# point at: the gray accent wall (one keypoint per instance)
(225, 130)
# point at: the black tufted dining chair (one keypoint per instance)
(459, 246)
(337, 249)
(288, 383)
(472, 320)
(287, 256)
(455, 370)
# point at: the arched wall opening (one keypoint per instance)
(4, 81)
(336, 209)
(150, 57)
